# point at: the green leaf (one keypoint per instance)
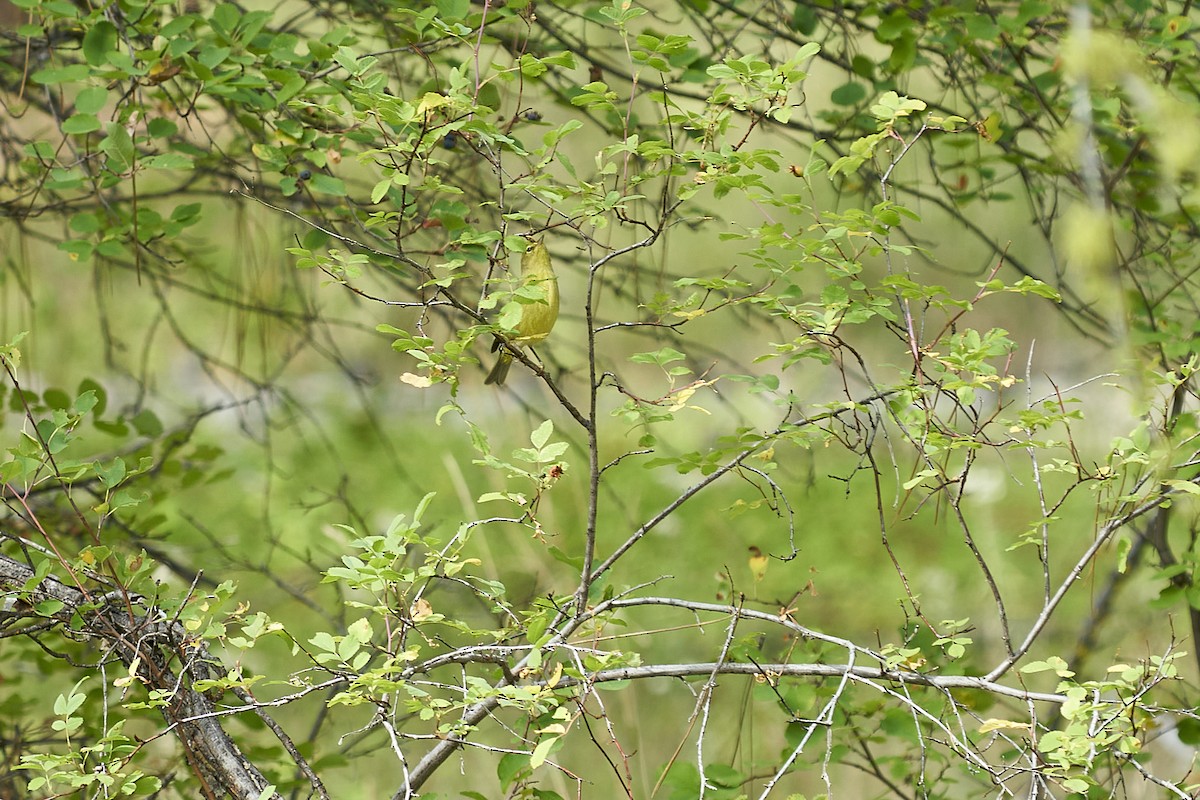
(891, 106)
(91, 100)
(542, 435)
(724, 776)
(99, 42)
(168, 161)
(159, 128)
(1053, 663)
(225, 17)
(380, 190)
(80, 124)
(91, 397)
(327, 184)
(146, 423)
(893, 26)
(177, 26)
(56, 398)
(87, 401)
(661, 357)
(75, 72)
(849, 94)
(112, 474)
(510, 768)
(212, 57)
(1188, 730)
(919, 478)
(118, 146)
(50, 607)
(452, 10)
(542, 752)
(85, 223)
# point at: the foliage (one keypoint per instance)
(873, 385)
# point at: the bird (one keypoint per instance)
(539, 309)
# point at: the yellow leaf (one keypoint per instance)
(758, 564)
(419, 381)
(990, 725)
(553, 680)
(430, 101)
(421, 610)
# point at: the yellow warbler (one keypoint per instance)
(537, 315)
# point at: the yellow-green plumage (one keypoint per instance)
(537, 317)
